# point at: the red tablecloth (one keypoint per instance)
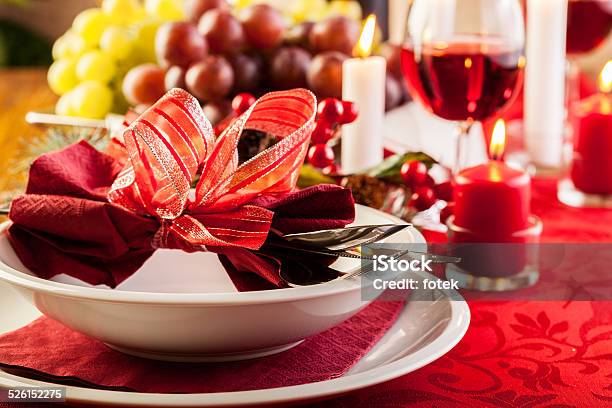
(519, 354)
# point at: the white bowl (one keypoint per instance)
(176, 309)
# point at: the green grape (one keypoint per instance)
(91, 99)
(78, 46)
(308, 10)
(122, 11)
(96, 66)
(61, 48)
(350, 9)
(64, 105)
(62, 75)
(167, 10)
(116, 42)
(145, 40)
(90, 24)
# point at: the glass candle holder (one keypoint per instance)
(587, 169)
(494, 263)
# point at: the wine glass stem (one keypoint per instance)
(462, 149)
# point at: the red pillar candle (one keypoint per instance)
(492, 200)
(591, 170)
(492, 206)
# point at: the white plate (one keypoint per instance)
(174, 290)
(425, 330)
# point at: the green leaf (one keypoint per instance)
(389, 169)
(310, 176)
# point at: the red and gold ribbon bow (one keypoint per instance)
(170, 143)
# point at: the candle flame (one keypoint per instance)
(364, 46)
(605, 78)
(498, 140)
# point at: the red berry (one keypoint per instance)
(242, 102)
(414, 174)
(429, 181)
(350, 112)
(331, 170)
(446, 212)
(423, 198)
(321, 155)
(330, 110)
(444, 191)
(322, 133)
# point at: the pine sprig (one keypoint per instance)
(56, 138)
(53, 139)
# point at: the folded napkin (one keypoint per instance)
(98, 217)
(48, 349)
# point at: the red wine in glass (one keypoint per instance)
(588, 24)
(464, 80)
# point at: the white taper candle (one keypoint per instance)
(545, 81)
(363, 82)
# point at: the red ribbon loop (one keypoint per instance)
(170, 142)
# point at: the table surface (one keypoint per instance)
(21, 90)
(527, 354)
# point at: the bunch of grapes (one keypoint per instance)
(103, 44)
(221, 51)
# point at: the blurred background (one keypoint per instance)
(29, 27)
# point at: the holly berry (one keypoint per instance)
(349, 112)
(322, 133)
(444, 191)
(446, 212)
(242, 102)
(330, 110)
(423, 198)
(321, 155)
(429, 181)
(331, 170)
(414, 174)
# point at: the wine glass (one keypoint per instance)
(463, 59)
(589, 23)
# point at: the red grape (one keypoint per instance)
(179, 44)
(393, 93)
(288, 68)
(194, 9)
(215, 112)
(175, 78)
(414, 173)
(444, 191)
(320, 155)
(242, 102)
(325, 74)
(247, 72)
(330, 110)
(323, 132)
(423, 198)
(299, 35)
(222, 31)
(335, 34)
(210, 79)
(393, 55)
(264, 26)
(144, 84)
(350, 112)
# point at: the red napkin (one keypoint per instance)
(65, 224)
(48, 348)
